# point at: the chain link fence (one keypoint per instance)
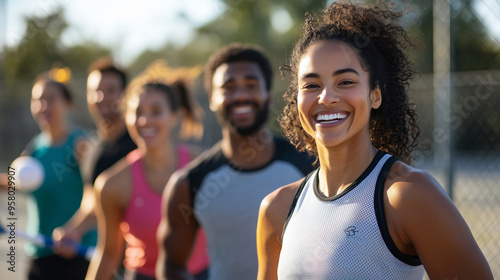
(474, 125)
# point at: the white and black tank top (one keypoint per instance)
(344, 236)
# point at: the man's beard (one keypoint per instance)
(260, 118)
(111, 114)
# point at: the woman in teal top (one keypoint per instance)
(60, 194)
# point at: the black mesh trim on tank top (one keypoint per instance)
(381, 220)
(368, 170)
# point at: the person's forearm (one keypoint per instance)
(102, 267)
(81, 222)
(84, 219)
(175, 273)
(72, 232)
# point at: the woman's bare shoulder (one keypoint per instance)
(115, 183)
(276, 205)
(406, 184)
(282, 197)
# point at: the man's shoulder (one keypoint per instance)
(287, 152)
(124, 143)
(196, 170)
(207, 161)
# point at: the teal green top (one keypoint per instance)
(60, 195)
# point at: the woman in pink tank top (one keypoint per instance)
(129, 193)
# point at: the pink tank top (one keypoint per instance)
(142, 218)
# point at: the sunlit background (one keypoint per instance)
(130, 27)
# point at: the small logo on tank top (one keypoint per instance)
(351, 231)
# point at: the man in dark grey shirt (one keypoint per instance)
(221, 190)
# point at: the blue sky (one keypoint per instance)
(127, 26)
(131, 26)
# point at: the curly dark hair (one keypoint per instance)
(379, 41)
(238, 52)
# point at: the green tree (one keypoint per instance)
(475, 49)
(273, 25)
(241, 21)
(40, 49)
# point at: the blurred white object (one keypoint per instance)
(29, 173)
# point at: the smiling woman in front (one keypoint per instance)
(364, 213)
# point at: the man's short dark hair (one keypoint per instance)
(106, 65)
(234, 53)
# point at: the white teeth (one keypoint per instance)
(242, 110)
(331, 117)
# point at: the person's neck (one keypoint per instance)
(163, 158)
(111, 130)
(57, 134)
(341, 165)
(248, 152)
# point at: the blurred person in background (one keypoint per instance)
(111, 142)
(59, 147)
(129, 193)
